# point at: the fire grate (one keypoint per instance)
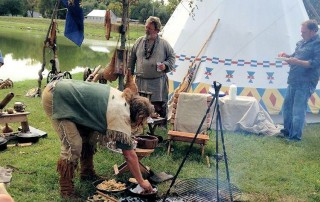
(205, 189)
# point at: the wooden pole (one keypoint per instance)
(123, 31)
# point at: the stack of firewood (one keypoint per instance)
(6, 84)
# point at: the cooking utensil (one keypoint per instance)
(19, 107)
(96, 183)
(27, 137)
(148, 196)
(3, 144)
(205, 189)
(146, 141)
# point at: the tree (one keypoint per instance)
(46, 8)
(172, 4)
(13, 7)
(3, 9)
(31, 5)
(116, 8)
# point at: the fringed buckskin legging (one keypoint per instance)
(71, 136)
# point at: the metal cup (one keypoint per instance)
(158, 67)
(19, 107)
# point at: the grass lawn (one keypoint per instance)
(91, 30)
(263, 168)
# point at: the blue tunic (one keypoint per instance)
(310, 51)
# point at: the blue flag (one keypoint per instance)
(1, 58)
(74, 29)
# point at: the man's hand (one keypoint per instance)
(133, 164)
(283, 54)
(145, 184)
(296, 61)
(292, 61)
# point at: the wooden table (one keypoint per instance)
(141, 153)
(16, 117)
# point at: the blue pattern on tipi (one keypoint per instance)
(261, 91)
(194, 86)
(270, 77)
(208, 72)
(251, 76)
(229, 75)
(254, 63)
(282, 91)
(176, 84)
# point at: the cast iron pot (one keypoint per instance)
(3, 144)
(146, 141)
(27, 137)
(149, 196)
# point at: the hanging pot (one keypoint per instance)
(3, 144)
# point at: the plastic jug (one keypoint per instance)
(233, 92)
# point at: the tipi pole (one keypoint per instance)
(191, 75)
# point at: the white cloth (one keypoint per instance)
(191, 108)
(245, 113)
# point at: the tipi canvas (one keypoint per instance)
(237, 42)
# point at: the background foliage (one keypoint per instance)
(139, 10)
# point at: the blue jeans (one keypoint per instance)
(295, 107)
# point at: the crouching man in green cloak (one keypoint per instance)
(80, 111)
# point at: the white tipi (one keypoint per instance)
(237, 42)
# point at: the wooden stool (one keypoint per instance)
(16, 117)
(141, 153)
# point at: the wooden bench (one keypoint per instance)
(202, 139)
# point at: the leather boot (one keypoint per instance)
(86, 161)
(66, 171)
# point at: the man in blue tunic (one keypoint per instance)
(1, 59)
(302, 80)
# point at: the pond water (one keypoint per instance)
(22, 53)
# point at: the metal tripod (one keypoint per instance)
(218, 129)
(216, 110)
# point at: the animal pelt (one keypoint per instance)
(130, 88)
(109, 72)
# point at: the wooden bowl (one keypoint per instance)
(146, 141)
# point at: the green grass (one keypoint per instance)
(263, 168)
(91, 30)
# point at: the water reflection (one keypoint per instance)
(22, 52)
(20, 69)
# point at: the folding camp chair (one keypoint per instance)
(187, 112)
